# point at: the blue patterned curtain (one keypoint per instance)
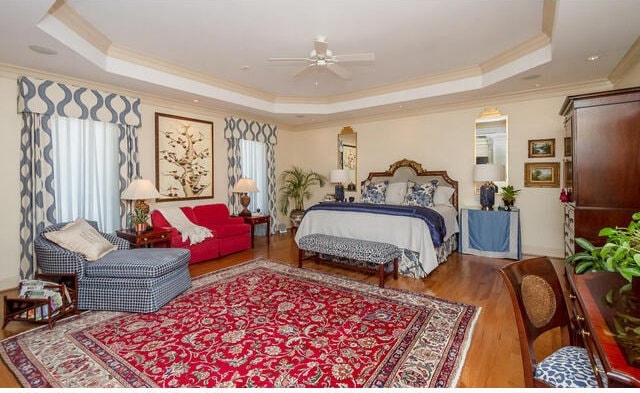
(38, 100)
(236, 130)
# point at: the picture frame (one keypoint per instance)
(542, 148)
(184, 158)
(568, 148)
(542, 174)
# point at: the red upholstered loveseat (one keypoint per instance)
(230, 234)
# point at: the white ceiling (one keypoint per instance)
(428, 52)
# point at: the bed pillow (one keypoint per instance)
(374, 192)
(442, 195)
(79, 236)
(420, 194)
(396, 193)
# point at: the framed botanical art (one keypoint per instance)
(184, 158)
(541, 148)
(542, 174)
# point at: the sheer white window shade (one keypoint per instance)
(86, 169)
(254, 166)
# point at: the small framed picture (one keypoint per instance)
(568, 147)
(542, 174)
(541, 148)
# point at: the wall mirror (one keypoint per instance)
(491, 141)
(348, 155)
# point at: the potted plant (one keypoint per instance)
(621, 253)
(140, 217)
(509, 194)
(295, 186)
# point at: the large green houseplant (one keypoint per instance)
(295, 186)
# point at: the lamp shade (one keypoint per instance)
(140, 189)
(245, 186)
(488, 173)
(339, 176)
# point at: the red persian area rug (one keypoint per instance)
(259, 324)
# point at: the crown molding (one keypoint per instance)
(629, 60)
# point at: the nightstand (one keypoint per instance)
(151, 238)
(256, 220)
(490, 233)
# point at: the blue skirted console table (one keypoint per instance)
(490, 233)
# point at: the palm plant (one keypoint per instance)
(295, 186)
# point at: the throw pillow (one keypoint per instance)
(395, 193)
(374, 192)
(420, 194)
(442, 195)
(79, 236)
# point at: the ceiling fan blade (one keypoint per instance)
(289, 59)
(339, 70)
(321, 47)
(355, 57)
(305, 69)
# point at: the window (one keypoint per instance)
(254, 166)
(86, 171)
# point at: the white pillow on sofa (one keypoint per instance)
(79, 236)
(442, 195)
(395, 193)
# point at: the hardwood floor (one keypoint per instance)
(493, 359)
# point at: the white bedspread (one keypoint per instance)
(189, 230)
(405, 232)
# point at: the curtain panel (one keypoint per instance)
(236, 129)
(38, 100)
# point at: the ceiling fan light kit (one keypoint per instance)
(323, 57)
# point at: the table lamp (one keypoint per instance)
(139, 190)
(488, 173)
(339, 177)
(244, 186)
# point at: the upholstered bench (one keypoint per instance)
(376, 253)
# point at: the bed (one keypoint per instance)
(426, 235)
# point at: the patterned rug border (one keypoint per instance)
(328, 278)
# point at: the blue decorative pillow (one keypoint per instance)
(420, 194)
(374, 192)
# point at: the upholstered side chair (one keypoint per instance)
(137, 280)
(539, 305)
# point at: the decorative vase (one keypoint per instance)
(296, 217)
(508, 203)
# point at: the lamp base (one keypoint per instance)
(340, 193)
(244, 201)
(487, 196)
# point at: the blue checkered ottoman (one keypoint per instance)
(376, 253)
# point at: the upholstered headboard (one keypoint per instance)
(405, 169)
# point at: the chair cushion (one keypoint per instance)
(138, 263)
(568, 367)
(80, 236)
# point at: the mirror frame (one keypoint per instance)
(348, 155)
(492, 115)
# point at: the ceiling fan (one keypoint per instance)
(322, 57)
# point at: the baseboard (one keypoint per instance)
(543, 251)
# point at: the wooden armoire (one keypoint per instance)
(601, 162)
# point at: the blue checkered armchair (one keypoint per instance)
(134, 280)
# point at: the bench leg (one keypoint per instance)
(395, 268)
(381, 275)
(300, 257)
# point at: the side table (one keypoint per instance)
(256, 220)
(490, 233)
(150, 238)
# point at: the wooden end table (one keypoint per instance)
(256, 220)
(150, 238)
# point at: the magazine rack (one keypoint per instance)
(44, 309)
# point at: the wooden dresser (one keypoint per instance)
(601, 162)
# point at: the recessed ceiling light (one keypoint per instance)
(196, 100)
(531, 77)
(538, 85)
(43, 50)
(244, 67)
(593, 58)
